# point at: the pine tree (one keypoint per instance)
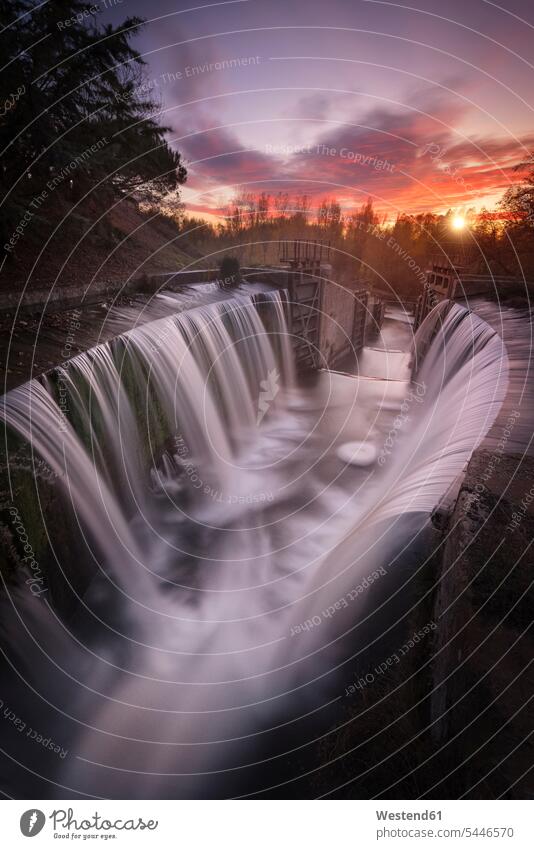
(74, 104)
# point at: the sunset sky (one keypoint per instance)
(423, 105)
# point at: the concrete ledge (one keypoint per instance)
(37, 299)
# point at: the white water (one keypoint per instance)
(208, 550)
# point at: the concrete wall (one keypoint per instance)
(482, 674)
(60, 297)
(343, 319)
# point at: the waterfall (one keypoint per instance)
(218, 519)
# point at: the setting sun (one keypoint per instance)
(458, 222)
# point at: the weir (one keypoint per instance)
(187, 510)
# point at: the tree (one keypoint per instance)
(518, 201)
(84, 115)
(301, 210)
(516, 254)
(359, 229)
(281, 204)
(264, 204)
(329, 218)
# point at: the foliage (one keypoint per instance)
(518, 200)
(368, 250)
(229, 270)
(81, 117)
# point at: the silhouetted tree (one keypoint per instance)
(76, 111)
(518, 200)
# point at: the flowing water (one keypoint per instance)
(222, 539)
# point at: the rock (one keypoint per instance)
(357, 453)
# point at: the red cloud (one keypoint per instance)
(409, 161)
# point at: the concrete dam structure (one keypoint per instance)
(305, 421)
